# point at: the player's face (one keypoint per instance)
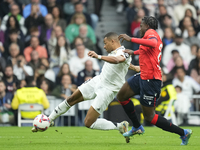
(108, 45)
(143, 29)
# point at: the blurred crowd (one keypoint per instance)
(44, 45)
(49, 41)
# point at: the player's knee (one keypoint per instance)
(148, 117)
(120, 97)
(87, 123)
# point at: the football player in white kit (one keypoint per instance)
(102, 88)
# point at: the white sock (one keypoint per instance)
(103, 124)
(59, 110)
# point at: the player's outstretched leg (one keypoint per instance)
(161, 122)
(93, 122)
(63, 107)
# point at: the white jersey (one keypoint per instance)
(113, 75)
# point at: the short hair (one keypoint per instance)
(29, 80)
(177, 86)
(77, 3)
(13, 31)
(14, 44)
(111, 35)
(168, 16)
(33, 29)
(7, 66)
(152, 22)
(181, 67)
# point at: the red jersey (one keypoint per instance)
(149, 57)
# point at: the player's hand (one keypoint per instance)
(124, 37)
(130, 52)
(92, 54)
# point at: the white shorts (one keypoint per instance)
(94, 90)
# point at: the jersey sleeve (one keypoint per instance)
(150, 35)
(120, 52)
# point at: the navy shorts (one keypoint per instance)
(149, 90)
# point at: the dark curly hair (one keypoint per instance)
(152, 22)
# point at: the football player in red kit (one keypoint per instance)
(147, 83)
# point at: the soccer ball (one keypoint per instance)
(41, 122)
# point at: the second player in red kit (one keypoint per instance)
(147, 83)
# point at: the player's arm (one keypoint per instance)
(131, 52)
(134, 68)
(151, 42)
(110, 59)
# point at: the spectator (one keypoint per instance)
(43, 72)
(168, 22)
(22, 84)
(35, 62)
(135, 26)
(191, 39)
(132, 12)
(50, 4)
(6, 113)
(14, 10)
(169, 8)
(168, 37)
(34, 31)
(21, 70)
(64, 70)
(5, 7)
(83, 32)
(10, 79)
(184, 50)
(65, 89)
(180, 9)
(88, 71)
(182, 106)
(79, 8)
(45, 86)
(188, 13)
(80, 59)
(14, 52)
(13, 38)
(57, 31)
(176, 61)
(27, 9)
(72, 30)
(186, 24)
(12, 23)
(69, 8)
(35, 19)
(35, 96)
(194, 67)
(61, 54)
(58, 20)
(187, 84)
(46, 29)
(179, 62)
(194, 48)
(163, 12)
(34, 45)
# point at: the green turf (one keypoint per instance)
(81, 138)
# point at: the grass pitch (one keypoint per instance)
(81, 138)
